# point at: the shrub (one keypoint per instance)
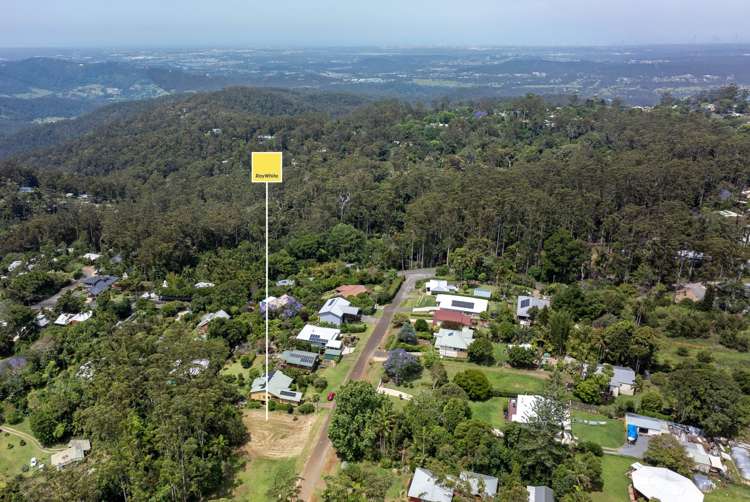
(475, 383)
(481, 352)
(306, 408)
(519, 357)
(355, 327)
(651, 402)
(591, 447)
(421, 325)
(407, 334)
(246, 360)
(666, 451)
(402, 366)
(320, 384)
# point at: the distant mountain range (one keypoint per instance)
(57, 85)
(45, 90)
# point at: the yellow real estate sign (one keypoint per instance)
(266, 167)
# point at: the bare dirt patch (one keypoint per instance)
(280, 437)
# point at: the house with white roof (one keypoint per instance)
(92, 256)
(540, 494)
(663, 484)
(14, 265)
(522, 409)
(320, 337)
(434, 286)
(337, 311)
(465, 304)
(207, 318)
(426, 487)
(454, 342)
(65, 319)
(203, 285)
(526, 303)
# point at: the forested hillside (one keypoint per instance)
(633, 186)
(601, 208)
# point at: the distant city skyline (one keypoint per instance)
(325, 23)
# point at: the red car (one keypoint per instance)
(331, 395)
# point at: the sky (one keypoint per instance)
(316, 23)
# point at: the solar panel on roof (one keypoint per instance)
(463, 305)
(288, 393)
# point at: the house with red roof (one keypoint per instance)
(451, 317)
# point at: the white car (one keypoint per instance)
(33, 462)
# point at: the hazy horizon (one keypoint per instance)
(86, 24)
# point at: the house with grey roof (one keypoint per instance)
(426, 487)
(525, 304)
(483, 293)
(278, 388)
(649, 426)
(622, 381)
(540, 494)
(337, 311)
(300, 359)
(454, 342)
(73, 453)
(98, 284)
(481, 485)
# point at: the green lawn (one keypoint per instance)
(500, 351)
(616, 481)
(426, 301)
(722, 355)
(13, 459)
(507, 380)
(729, 493)
(611, 435)
(490, 411)
(259, 474)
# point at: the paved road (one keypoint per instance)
(311, 474)
(49, 303)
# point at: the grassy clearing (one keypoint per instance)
(500, 350)
(611, 435)
(729, 493)
(614, 474)
(722, 355)
(425, 301)
(259, 475)
(490, 411)
(504, 379)
(13, 459)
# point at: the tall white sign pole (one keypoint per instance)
(267, 302)
(266, 168)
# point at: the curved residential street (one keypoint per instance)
(322, 451)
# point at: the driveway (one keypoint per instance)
(313, 470)
(636, 450)
(49, 303)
